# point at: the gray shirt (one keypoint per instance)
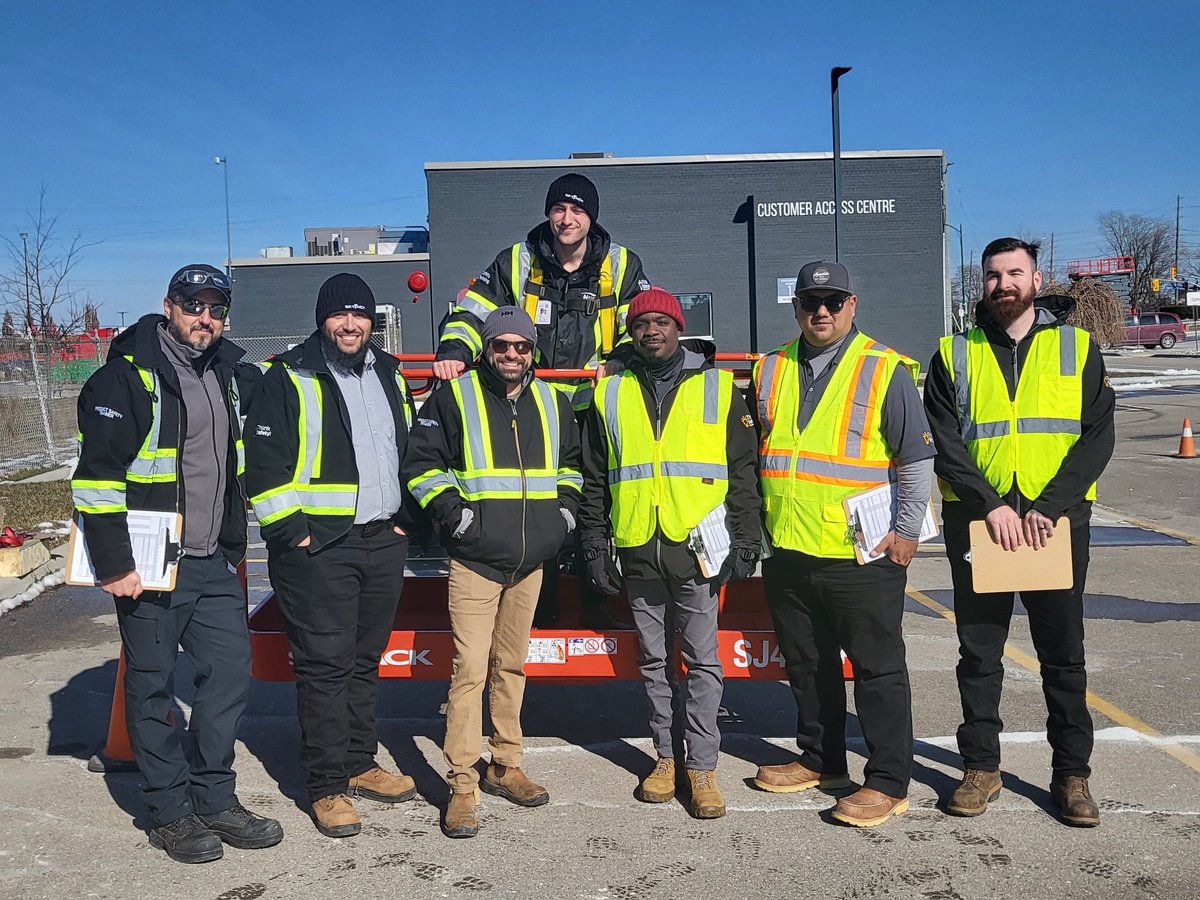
(204, 456)
(373, 434)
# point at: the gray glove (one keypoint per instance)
(568, 518)
(464, 522)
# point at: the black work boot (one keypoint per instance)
(238, 827)
(187, 841)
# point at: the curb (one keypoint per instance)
(16, 592)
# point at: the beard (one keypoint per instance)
(197, 337)
(1006, 308)
(338, 357)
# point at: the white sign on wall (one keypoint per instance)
(786, 289)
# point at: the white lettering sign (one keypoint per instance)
(788, 209)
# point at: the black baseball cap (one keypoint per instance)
(197, 277)
(823, 275)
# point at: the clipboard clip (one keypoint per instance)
(854, 532)
(172, 552)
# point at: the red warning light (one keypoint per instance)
(417, 282)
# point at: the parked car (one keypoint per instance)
(1153, 329)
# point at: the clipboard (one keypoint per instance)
(995, 570)
(871, 514)
(154, 537)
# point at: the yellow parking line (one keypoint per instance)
(1162, 529)
(1099, 704)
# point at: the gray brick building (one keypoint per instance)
(733, 227)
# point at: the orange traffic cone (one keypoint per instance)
(1187, 444)
(117, 755)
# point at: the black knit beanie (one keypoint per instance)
(577, 189)
(344, 292)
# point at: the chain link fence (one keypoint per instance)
(39, 385)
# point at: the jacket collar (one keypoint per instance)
(311, 357)
(140, 341)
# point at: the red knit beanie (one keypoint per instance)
(655, 300)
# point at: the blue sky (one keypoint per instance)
(1051, 113)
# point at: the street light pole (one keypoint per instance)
(122, 314)
(223, 162)
(834, 74)
(962, 275)
(25, 257)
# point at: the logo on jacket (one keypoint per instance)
(643, 284)
(427, 423)
(262, 430)
(108, 413)
(927, 438)
(747, 421)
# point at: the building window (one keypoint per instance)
(697, 314)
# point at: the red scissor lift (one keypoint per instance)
(422, 648)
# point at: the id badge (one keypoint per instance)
(544, 313)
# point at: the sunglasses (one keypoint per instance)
(812, 305)
(500, 347)
(194, 307)
(200, 276)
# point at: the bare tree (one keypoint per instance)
(7, 329)
(964, 301)
(1151, 243)
(37, 281)
(91, 318)
(1098, 310)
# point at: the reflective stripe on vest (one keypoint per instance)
(480, 478)
(152, 464)
(805, 475)
(674, 480)
(1026, 438)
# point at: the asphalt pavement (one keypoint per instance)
(70, 833)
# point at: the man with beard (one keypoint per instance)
(495, 458)
(1022, 412)
(839, 413)
(668, 441)
(159, 430)
(324, 440)
(575, 284)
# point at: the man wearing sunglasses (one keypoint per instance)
(495, 458)
(159, 430)
(667, 442)
(324, 440)
(838, 414)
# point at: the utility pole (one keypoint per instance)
(1175, 268)
(25, 257)
(223, 162)
(1052, 256)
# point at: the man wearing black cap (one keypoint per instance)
(324, 439)
(159, 430)
(495, 458)
(839, 414)
(575, 284)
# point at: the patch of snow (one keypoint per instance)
(33, 591)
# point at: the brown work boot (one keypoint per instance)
(790, 778)
(977, 789)
(707, 800)
(513, 785)
(459, 820)
(867, 807)
(659, 785)
(380, 784)
(336, 817)
(1075, 803)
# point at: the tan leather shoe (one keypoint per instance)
(707, 800)
(977, 789)
(1075, 803)
(790, 778)
(867, 807)
(513, 785)
(336, 817)
(380, 784)
(659, 785)
(459, 819)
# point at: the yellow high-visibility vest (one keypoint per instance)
(805, 475)
(1026, 438)
(674, 479)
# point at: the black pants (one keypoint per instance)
(339, 605)
(1056, 625)
(819, 607)
(190, 771)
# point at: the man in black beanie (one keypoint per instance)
(576, 285)
(324, 439)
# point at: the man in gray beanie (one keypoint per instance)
(495, 458)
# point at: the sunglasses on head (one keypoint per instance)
(814, 304)
(194, 307)
(500, 346)
(199, 276)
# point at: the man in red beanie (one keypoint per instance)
(576, 285)
(667, 442)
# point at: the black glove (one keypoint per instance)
(738, 565)
(603, 572)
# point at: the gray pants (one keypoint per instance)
(659, 608)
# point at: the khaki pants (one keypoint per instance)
(490, 622)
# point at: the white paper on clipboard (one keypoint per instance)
(709, 540)
(871, 514)
(154, 538)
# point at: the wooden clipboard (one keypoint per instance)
(155, 560)
(995, 570)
